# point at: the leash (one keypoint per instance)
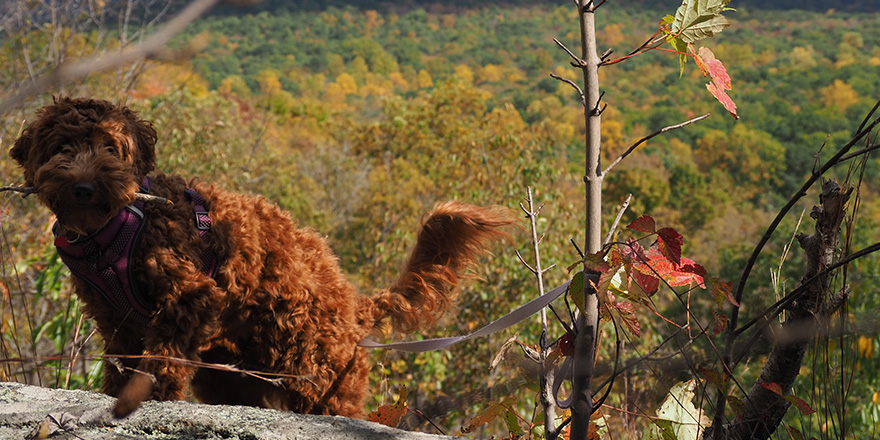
(514, 317)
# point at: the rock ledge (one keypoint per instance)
(34, 412)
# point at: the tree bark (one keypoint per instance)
(587, 325)
(764, 409)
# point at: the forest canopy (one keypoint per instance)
(358, 116)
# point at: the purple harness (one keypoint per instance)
(102, 259)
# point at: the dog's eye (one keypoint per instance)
(112, 150)
(63, 149)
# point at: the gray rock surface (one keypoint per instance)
(34, 412)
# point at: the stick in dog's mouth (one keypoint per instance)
(28, 190)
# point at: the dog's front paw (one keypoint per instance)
(135, 391)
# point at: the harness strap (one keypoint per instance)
(103, 259)
(203, 224)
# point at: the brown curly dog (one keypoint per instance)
(215, 277)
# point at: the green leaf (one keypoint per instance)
(512, 424)
(678, 408)
(576, 290)
(699, 19)
(679, 45)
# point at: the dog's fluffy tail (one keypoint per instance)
(452, 235)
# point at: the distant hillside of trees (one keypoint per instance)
(385, 5)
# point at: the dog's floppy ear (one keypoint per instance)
(21, 151)
(145, 136)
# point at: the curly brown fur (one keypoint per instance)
(279, 303)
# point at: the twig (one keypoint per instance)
(25, 190)
(617, 219)
(577, 59)
(865, 150)
(596, 110)
(573, 84)
(547, 373)
(646, 138)
(71, 71)
(865, 129)
(151, 198)
(868, 116)
(28, 190)
(790, 297)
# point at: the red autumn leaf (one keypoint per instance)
(656, 264)
(566, 344)
(630, 319)
(616, 257)
(801, 405)
(721, 95)
(720, 323)
(688, 265)
(604, 282)
(670, 243)
(772, 386)
(593, 431)
(793, 432)
(390, 415)
(715, 70)
(698, 60)
(714, 377)
(686, 274)
(633, 257)
(644, 223)
(646, 282)
(596, 262)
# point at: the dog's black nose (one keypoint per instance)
(83, 191)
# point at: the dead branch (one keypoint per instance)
(71, 71)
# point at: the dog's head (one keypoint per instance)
(85, 157)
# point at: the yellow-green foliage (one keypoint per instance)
(357, 123)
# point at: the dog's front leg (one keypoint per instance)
(186, 315)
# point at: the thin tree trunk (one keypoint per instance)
(585, 344)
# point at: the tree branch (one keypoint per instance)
(70, 71)
(573, 84)
(547, 372)
(617, 219)
(646, 138)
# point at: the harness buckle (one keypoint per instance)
(203, 221)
